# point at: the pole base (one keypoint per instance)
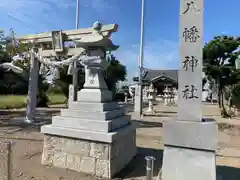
(28, 121)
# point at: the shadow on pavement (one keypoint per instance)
(228, 173)
(156, 115)
(139, 124)
(13, 121)
(166, 112)
(137, 167)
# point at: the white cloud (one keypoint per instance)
(98, 5)
(47, 14)
(37, 13)
(160, 54)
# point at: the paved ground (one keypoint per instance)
(28, 146)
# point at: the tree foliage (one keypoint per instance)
(13, 83)
(115, 72)
(4, 57)
(219, 57)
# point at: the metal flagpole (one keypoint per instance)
(77, 14)
(75, 71)
(141, 57)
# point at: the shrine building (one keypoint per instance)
(161, 79)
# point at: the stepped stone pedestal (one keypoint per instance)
(92, 136)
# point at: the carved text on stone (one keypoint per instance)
(191, 5)
(189, 92)
(190, 62)
(191, 35)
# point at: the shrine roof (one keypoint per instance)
(152, 74)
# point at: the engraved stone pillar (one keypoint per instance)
(32, 89)
(70, 94)
(137, 99)
(190, 141)
(125, 97)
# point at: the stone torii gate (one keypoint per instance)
(52, 44)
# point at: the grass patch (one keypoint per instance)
(20, 101)
(56, 99)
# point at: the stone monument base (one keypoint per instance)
(189, 150)
(188, 164)
(101, 159)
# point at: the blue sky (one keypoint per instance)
(161, 24)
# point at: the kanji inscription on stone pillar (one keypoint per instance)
(190, 74)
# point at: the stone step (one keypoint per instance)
(91, 114)
(108, 106)
(91, 125)
(87, 135)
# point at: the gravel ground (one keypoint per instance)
(27, 147)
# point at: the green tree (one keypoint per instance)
(115, 72)
(219, 56)
(9, 81)
(4, 57)
(18, 83)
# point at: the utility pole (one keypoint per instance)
(77, 14)
(75, 70)
(141, 57)
(12, 34)
(14, 42)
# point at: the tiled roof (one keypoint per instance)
(151, 74)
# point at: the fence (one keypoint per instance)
(6, 160)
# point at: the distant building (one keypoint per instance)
(160, 79)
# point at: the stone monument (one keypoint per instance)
(137, 100)
(93, 135)
(190, 142)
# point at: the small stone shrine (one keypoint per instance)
(93, 135)
(190, 141)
